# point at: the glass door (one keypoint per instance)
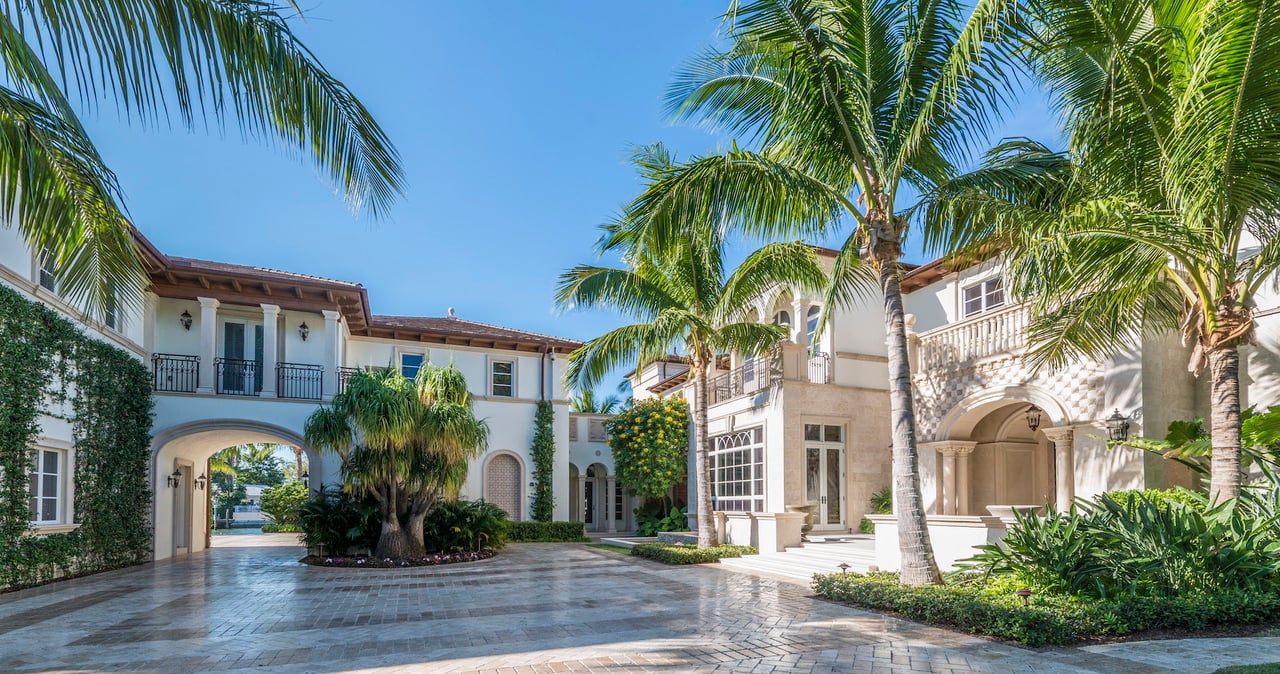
(241, 370)
(824, 475)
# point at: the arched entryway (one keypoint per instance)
(597, 498)
(182, 486)
(503, 483)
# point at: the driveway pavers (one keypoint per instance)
(248, 605)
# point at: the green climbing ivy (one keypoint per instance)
(544, 458)
(49, 367)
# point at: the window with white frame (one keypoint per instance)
(45, 496)
(782, 318)
(815, 314)
(595, 431)
(410, 363)
(46, 278)
(111, 314)
(737, 471)
(502, 378)
(983, 296)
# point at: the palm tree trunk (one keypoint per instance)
(702, 459)
(297, 456)
(918, 565)
(1224, 421)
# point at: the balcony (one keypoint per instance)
(299, 381)
(237, 377)
(179, 373)
(760, 373)
(987, 335)
(175, 372)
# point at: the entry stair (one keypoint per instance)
(821, 554)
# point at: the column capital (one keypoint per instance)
(951, 447)
(209, 302)
(270, 309)
(1059, 434)
(330, 315)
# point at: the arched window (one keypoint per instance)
(782, 318)
(814, 313)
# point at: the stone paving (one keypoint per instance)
(248, 605)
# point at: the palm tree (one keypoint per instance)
(586, 403)
(189, 60)
(685, 299)
(851, 103)
(1161, 213)
(405, 443)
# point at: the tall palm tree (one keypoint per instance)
(586, 402)
(685, 299)
(1160, 215)
(851, 102)
(157, 61)
(405, 443)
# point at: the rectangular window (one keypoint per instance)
(45, 496)
(47, 279)
(502, 378)
(110, 315)
(983, 296)
(410, 363)
(595, 431)
(737, 471)
(573, 430)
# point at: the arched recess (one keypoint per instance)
(596, 497)
(960, 421)
(179, 514)
(504, 479)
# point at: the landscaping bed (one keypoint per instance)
(366, 562)
(994, 609)
(547, 532)
(688, 554)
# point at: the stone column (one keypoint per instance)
(962, 480)
(270, 357)
(208, 343)
(955, 475)
(610, 524)
(1063, 439)
(332, 341)
(800, 322)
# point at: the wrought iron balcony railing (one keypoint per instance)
(299, 381)
(175, 372)
(238, 377)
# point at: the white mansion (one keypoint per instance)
(806, 429)
(242, 354)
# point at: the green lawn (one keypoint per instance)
(611, 548)
(1270, 668)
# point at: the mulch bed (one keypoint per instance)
(366, 562)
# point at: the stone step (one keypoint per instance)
(782, 565)
(837, 553)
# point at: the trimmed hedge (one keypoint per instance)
(688, 554)
(994, 610)
(547, 532)
(281, 529)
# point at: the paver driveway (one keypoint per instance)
(537, 607)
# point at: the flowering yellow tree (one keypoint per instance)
(650, 444)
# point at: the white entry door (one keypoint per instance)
(824, 475)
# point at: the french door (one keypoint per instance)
(240, 371)
(824, 476)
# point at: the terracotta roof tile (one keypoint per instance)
(448, 325)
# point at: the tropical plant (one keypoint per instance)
(466, 526)
(404, 443)
(192, 61)
(851, 103)
(334, 521)
(1160, 215)
(652, 520)
(283, 502)
(587, 403)
(650, 447)
(686, 298)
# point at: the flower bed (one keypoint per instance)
(364, 562)
(689, 554)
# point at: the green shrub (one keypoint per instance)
(689, 554)
(866, 526)
(281, 529)
(650, 520)
(466, 526)
(282, 503)
(548, 532)
(335, 522)
(1050, 619)
(882, 502)
(1186, 497)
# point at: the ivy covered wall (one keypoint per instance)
(47, 366)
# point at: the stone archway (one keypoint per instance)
(179, 512)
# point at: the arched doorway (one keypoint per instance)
(575, 494)
(596, 498)
(503, 479)
(181, 484)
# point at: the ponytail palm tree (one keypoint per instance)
(686, 300)
(158, 61)
(405, 443)
(1161, 214)
(852, 103)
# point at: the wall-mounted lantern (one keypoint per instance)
(201, 481)
(304, 331)
(1117, 426)
(175, 479)
(1034, 416)
(185, 320)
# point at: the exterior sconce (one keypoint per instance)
(175, 479)
(304, 331)
(305, 474)
(185, 320)
(1117, 426)
(200, 482)
(1034, 415)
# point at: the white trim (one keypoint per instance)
(490, 361)
(69, 311)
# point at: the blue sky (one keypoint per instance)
(513, 120)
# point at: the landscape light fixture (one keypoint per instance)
(304, 331)
(1117, 426)
(1034, 415)
(175, 479)
(200, 482)
(185, 320)
(844, 567)
(1025, 593)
